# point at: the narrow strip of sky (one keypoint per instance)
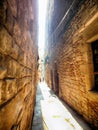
(42, 9)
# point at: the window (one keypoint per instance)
(94, 46)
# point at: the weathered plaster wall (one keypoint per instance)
(18, 54)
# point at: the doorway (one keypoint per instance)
(56, 79)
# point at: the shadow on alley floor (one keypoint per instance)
(51, 114)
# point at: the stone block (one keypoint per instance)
(11, 88)
(17, 33)
(8, 90)
(22, 82)
(5, 41)
(22, 57)
(13, 6)
(14, 51)
(3, 73)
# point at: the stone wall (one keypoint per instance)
(73, 56)
(18, 54)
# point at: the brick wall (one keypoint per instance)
(73, 56)
(48, 75)
(18, 54)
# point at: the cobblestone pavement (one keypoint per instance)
(52, 114)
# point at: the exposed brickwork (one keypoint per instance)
(73, 56)
(18, 54)
(48, 76)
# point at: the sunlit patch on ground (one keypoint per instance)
(54, 114)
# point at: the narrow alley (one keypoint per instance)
(48, 64)
(51, 113)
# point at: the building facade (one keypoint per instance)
(72, 51)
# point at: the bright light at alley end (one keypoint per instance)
(42, 9)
